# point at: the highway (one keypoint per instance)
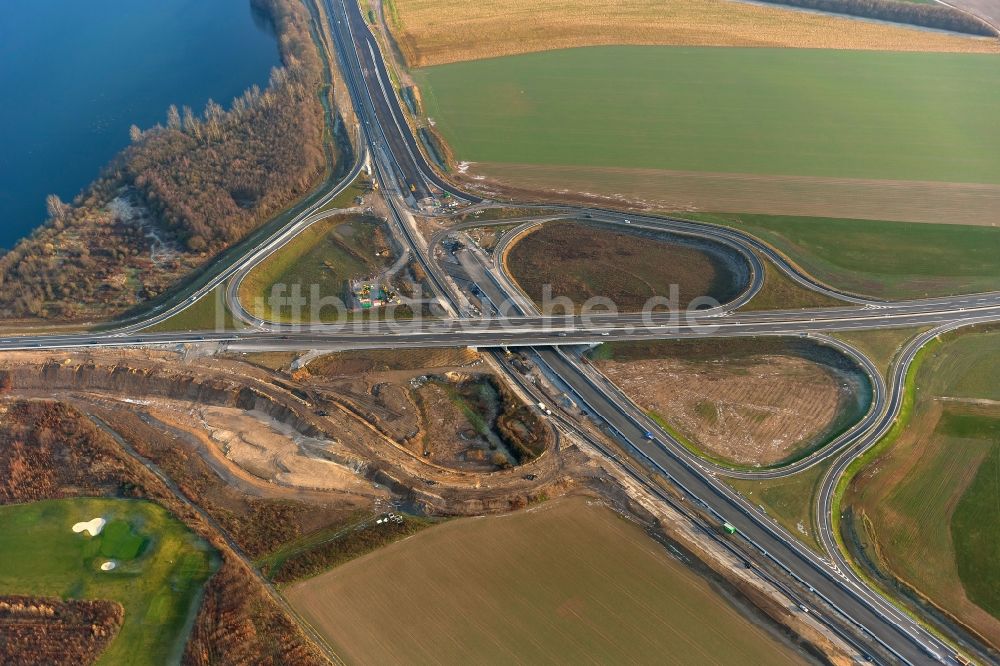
(837, 595)
(901, 638)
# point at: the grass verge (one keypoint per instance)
(208, 313)
(779, 292)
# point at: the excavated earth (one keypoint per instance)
(274, 435)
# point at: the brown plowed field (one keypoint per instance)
(565, 583)
(581, 261)
(907, 201)
(433, 32)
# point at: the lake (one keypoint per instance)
(76, 75)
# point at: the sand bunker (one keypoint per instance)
(94, 526)
(109, 565)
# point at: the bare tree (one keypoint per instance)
(191, 124)
(55, 206)
(173, 117)
(134, 133)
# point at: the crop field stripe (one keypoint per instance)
(432, 32)
(902, 116)
(672, 190)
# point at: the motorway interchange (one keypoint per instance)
(829, 589)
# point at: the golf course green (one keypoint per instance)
(159, 567)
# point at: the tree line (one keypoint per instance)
(201, 182)
(928, 15)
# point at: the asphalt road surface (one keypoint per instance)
(832, 588)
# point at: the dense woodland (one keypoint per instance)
(182, 192)
(900, 11)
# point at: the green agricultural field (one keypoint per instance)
(925, 508)
(161, 567)
(883, 259)
(564, 583)
(829, 113)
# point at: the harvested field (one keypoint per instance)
(46, 631)
(924, 511)
(746, 402)
(810, 196)
(584, 261)
(567, 582)
(432, 32)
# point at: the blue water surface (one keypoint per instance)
(75, 75)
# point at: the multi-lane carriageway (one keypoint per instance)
(863, 617)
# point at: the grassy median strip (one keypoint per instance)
(790, 500)
(208, 313)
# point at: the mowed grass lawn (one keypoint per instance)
(831, 113)
(883, 259)
(161, 568)
(932, 499)
(567, 582)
